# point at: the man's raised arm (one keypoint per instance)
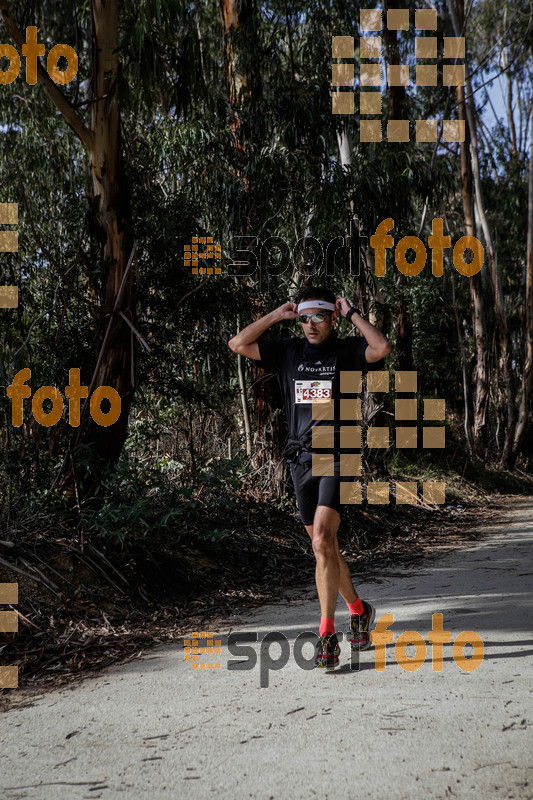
(378, 344)
(245, 342)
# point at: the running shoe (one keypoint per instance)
(327, 651)
(360, 627)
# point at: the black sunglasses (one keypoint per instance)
(320, 316)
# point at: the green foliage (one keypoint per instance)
(140, 500)
(197, 166)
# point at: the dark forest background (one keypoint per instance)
(205, 119)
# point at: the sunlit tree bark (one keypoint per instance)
(482, 376)
(102, 143)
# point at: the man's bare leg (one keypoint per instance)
(346, 588)
(332, 573)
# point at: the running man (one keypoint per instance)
(319, 357)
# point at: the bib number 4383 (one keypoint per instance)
(307, 391)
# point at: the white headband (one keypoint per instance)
(316, 304)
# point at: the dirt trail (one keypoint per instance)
(156, 728)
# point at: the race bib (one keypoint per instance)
(309, 391)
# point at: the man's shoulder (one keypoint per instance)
(351, 342)
(354, 352)
(276, 354)
(351, 349)
(284, 343)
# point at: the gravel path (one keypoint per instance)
(156, 728)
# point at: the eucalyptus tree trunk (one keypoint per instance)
(102, 143)
(369, 299)
(239, 26)
(111, 199)
(527, 379)
(510, 113)
(481, 393)
(239, 21)
(482, 372)
(345, 143)
(499, 303)
(466, 388)
(396, 95)
(244, 403)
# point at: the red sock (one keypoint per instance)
(326, 626)
(356, 607)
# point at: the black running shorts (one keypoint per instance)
(314, 490)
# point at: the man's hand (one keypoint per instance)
(378, 344)
(245, 342)
(288, 311)
(343, 305)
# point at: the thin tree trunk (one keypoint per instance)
(466, 399)
(510, 113)
(370, 299)
(297, 274)
(404, 338)
(244, 402)
(396, 94)
(245, 84)
(345, 143)
(527, 374)
(481, 396)
(501, 317)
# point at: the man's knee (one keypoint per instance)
(324, 531)
(323, 540)
(323, 548)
